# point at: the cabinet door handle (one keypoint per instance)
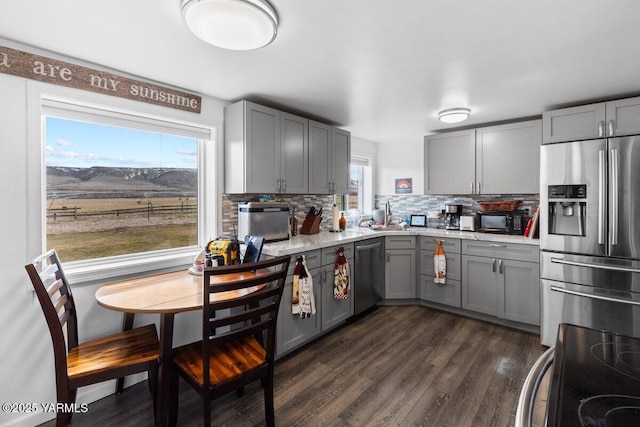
(479, 188)
(493, 245)
(278, 185)
(388, 256)
(611, 128)
(472, 188)
(493, 265)
(600, 129)
(500, 266)
(284, 184)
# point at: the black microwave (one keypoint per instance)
(502, 222)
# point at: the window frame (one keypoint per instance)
(99, 269)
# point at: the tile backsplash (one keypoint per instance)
(401, 205)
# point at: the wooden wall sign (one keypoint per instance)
(49, 70)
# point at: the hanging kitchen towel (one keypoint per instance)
(439, 264)
(341, 276)
(302, 299)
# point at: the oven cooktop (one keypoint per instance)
(595, 379)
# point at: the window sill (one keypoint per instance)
(111, 269)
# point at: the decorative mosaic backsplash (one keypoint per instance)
(300, 202)
(401, 205)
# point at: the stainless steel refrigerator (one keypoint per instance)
(590, 235)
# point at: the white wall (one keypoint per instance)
(26, 371)
(395, 162)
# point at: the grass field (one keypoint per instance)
(102, 236)
(89, 245)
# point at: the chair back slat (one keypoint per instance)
(56, 300)
(253, 314)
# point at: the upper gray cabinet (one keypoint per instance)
(601, 120)
(508, 158)
(266, 150)
(270, 151)
(449, 161)
(490, 160)
(329, 159)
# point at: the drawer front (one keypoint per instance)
(448, 294)
(453, 264)
(330, 254)
(400, 242)
(448, 245)
(313, 259)
(501, 250)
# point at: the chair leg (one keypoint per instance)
(173, 397)
(269, 412)
(240, 392)
(206, 400)
(153, 386)
(66, 397)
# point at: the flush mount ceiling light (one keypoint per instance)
(454, 115)
(231, 24)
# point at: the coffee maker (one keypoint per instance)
(452, 216)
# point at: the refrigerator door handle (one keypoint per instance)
(599, 266)
(614, 182)
(602, 205)
(594, 296)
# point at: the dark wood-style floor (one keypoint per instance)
(397, 366)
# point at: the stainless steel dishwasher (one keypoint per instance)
(368, 276)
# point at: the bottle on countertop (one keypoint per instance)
(342, 222)
(294, 222)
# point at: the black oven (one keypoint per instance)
(502, 222)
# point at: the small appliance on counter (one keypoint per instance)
(467, 223)
(269, 220)
(452, 216)
(502, 222)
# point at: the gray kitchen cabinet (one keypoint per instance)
(335, 311)
(501, 280)
(329, 158)
(266, 150)
(449, 161)
(252, 140)
(294, 154)
(292, 330)
(600, 120)
(449, 292)
(508, 158)
(489, 160)
(400, 270)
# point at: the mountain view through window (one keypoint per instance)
(115, 191)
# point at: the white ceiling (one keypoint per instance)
(379, 68)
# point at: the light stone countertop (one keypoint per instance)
(324, 239)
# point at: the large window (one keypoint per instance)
(119, 185)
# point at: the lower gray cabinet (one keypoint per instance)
(334, 311)
(400, 270)
(449, 292)
(293, 331)
(505, 284)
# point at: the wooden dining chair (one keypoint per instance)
(80, 364)
(230, 354)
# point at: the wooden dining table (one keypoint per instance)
(166, 294)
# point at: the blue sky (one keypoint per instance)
(79, 144)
